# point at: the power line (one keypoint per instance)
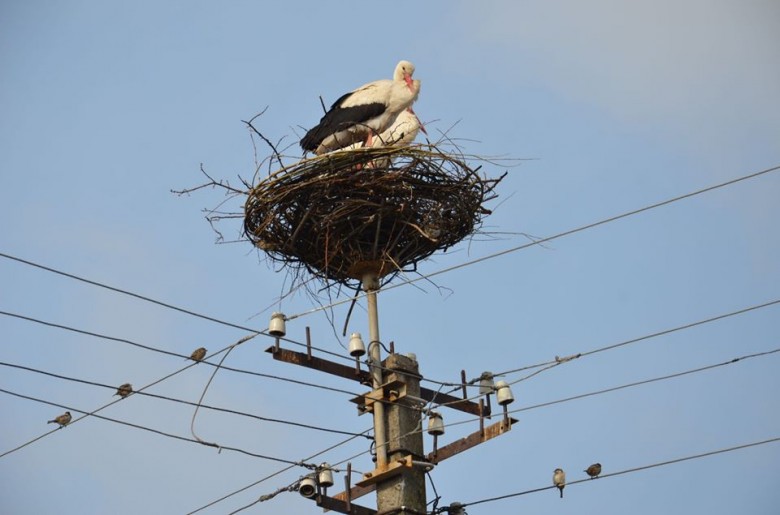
(589, 394)
(159, 303)
(619, 473)
(164, 378)
(181, 401)
(164, 304)
(129, 293)
(549, 238)
(628, 385)
(266, 478)
(90, 333)
(149, 429)
(560, 361)
(161, 351)
(646, 381)
(170, 353)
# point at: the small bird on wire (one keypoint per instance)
(559, 480)
(198, 354)
(594, 470)
(124, 390)
(63, 420)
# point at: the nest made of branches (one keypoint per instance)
(376, 211)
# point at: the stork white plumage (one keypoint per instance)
(364, 112)
(400, 134)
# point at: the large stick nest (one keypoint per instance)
(377, 211)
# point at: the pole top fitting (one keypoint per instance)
(370, 282)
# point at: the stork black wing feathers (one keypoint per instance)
(339, 119)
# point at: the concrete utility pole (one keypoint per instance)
(392, 427)
(406, 490)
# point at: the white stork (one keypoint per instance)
(364, 112)
(400, 134)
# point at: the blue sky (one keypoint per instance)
(108, 106)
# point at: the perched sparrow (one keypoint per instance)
(124, 390)
(559, 480)
(594, 470)
(63, 420)
(198, 354)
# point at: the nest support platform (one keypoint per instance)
(346, 214)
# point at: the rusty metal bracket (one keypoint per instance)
(341, 506)
(391, 391)
(464, 444)
(393, 469)
(304, 360)
(364, 377)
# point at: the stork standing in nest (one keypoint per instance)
(363, 113)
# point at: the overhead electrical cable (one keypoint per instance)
(181, 401)
(619, 473)
(272, 475)
(628, 385)
(138, 426)
(164, 378)
(161, 351)
(160, 303)
(581, 396)
(541, 241)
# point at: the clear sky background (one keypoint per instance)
(108, 106)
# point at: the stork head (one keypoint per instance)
(404, 71)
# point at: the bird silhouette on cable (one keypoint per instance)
(198, 354)
(63, 420)
(124, 390)
(559, 480)
(594, 470)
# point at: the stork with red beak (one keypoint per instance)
(363, 113)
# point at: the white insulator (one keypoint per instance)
(457, 508)
(307, 487)
(435, 424)
(325, 476)
(486, 385)
(276, 327)
(504, 394)
(356, 346)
